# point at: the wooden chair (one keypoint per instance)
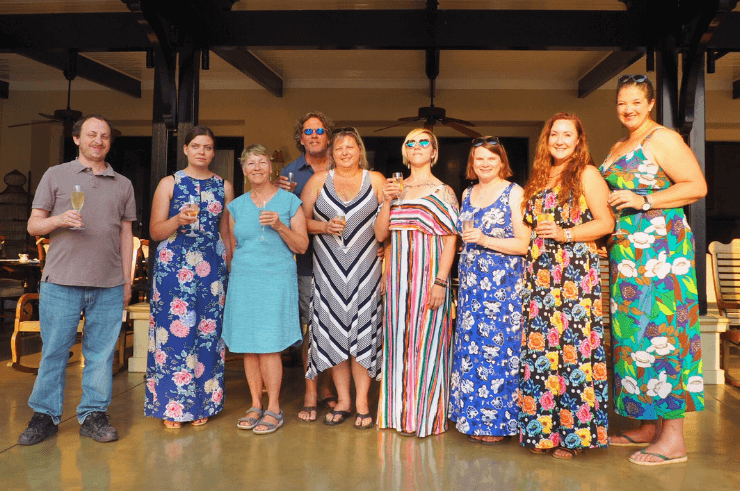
(12, 285)
(726, 273)
(26, 322)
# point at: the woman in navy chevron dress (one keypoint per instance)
(340, 206)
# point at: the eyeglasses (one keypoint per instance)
(638, 79)
(481, 140)
(309, 131)
(412, 143)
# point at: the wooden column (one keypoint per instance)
(187, 97)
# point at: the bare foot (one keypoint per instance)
(336, 416)
(308, 413)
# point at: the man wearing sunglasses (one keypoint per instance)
(312, 135)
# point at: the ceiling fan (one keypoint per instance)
(432, 114)
(68, 117)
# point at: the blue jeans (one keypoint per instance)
(59, 313)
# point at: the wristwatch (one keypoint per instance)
(648, 203)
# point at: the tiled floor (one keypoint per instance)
(305, 456)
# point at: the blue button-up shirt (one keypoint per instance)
(302, 172)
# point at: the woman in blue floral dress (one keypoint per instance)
(563, 383)
(485, 372)
(185, 363)
(655, 305)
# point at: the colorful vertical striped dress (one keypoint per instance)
(347, 307)
(417, 355)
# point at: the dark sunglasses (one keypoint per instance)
(638, 79)
(346, 129)
(491, 140)
(412, 143)
(319, 131)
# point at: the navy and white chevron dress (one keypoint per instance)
(346, 311)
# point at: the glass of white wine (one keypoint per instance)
(342, 218)
(262, 210)
(78, 200)
(398, 176)
(193, 209)
(468, 222)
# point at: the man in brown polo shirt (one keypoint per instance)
(88, 270)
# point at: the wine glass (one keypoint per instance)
(398, 176)
(193, 209)
(342, 218)
(291, 181)
(618, 218)
(78, 199)
(262, 210)
(545, 217)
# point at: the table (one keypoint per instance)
(31, 271)
(139, 314)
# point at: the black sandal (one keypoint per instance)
(362, 426)
(343, 416)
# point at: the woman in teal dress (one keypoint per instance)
(267, 227)
(654, 304)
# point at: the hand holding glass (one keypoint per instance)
(342, 219)
(78, 200)
(262, 210)
(193, 209)
(398, 176)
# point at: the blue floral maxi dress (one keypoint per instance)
(563, 381)
(654, 300)
(485, 371)
(185, 363)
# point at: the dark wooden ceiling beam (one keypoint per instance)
(89, 70)
(251, 66)
(736, 89)
(4, 89)
(610, 67)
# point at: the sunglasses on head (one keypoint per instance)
(346, 129)
(412, 143)
(319, 131)
(491, 140)
(638, 79)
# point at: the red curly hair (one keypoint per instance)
(570, 179)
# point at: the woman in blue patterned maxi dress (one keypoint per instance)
(485, 371)
(185, 362)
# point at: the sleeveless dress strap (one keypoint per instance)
(647, 137)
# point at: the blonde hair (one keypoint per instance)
(412, 135)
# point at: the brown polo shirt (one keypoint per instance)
(90, 257)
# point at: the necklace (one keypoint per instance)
(425, 184)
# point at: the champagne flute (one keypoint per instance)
(193, 209)
(342, 218)
(398, 176)
(545, 217)
(262, 210)
(78, 200)
(618, 218)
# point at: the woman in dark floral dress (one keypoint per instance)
(563, 388)
(185, 364)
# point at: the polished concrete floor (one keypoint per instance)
(303, 456)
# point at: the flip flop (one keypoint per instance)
(572, 451)
(483, 442)
(630, 442)
(271, 427)
(250, 422)
(309, 410)
(664, 460)
(366, 426)
(343, 416)
(326, 400)
(172, 425)
(199, 422)
(538, 451)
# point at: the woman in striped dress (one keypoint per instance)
(340, 207)
(417, 325)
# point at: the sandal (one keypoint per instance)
(199, 422)
(663, 459)
(326, 400)
(172, 425)
(309, 410)
(630, 442)
(271, 427)
(364, 426)
(247, 423)
(343, 415)
(571, 451)
(485, 442)
(538, 451)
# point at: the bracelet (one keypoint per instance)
(568, 235)
(441, 283)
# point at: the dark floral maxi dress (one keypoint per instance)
(563, 382)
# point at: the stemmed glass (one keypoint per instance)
(262, 210)
(193, 209)
(468, 221)
(291, 181)
(342, 218)
(78, 200)
(618, 218)
(398, 176)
